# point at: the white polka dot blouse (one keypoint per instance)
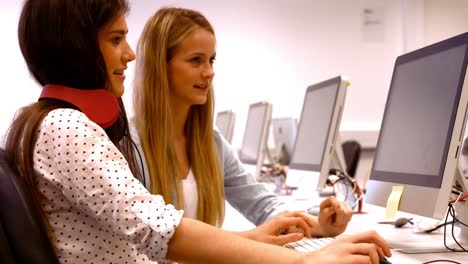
(98, 211)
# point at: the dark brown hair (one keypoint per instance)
(58, 40)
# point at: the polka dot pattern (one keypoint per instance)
(98, 211)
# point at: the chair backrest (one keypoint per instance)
(22, 229)
(352, 153)
(5, 251)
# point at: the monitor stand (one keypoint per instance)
(269, 172)
(345, 192)
(264, 158)
(461, 208)
(461, 180)
(302, 184)
(267, 157)
(337, 162)
(281, 155)
(305, 183)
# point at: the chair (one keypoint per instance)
(5, 253)
(352, 153)
(23, 237)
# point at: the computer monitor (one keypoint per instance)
(254, 143)
(317, 142)
(284, 134)
(422, 129)
(225, 121)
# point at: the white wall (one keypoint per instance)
(273, 49)
(17, 87)
(444, 19)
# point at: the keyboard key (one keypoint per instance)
(309, 244)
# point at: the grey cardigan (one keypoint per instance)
(242, 190)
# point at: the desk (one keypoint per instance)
(234, 221)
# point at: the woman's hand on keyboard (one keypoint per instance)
(334, 217)
(282, 229)
(366, 247)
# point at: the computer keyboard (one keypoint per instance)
(312, 244)
(309, 244)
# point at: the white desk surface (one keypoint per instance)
(401, 239)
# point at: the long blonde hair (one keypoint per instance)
(163, 32)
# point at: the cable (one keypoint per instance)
(451, 212)
(437, 227)
(441, 260)
(350, 183)
(421, 252)
(460, 197)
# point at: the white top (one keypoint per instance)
(189, 186)
(252, 199)
(98, 211)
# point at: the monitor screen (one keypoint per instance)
(225, 123)
(254, 135)
(314, 126)
(284, 133)
(419, 118)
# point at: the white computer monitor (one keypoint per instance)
(317, 147)
(254, 143)
(422, 129)
(284, 134)
(225, 121)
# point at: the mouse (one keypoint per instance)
(400, 222)
(383, 260)
(314, 210)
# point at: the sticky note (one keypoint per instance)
(393, 202)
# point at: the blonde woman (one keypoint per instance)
(188, 163)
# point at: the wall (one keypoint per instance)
(17, 86)
(273, 49)
(267, 50)
(444, 19)
(441, 20)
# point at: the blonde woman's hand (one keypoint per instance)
(363, 248)
(334, 217)
(285, 228)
